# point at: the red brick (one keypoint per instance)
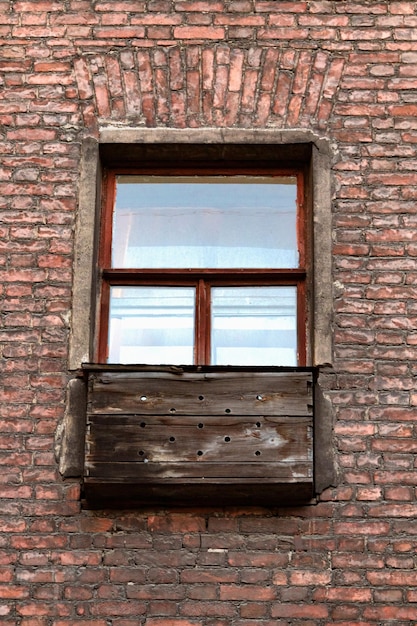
(282, 92)
(199, 32)
(199, 5)
(343, 594)
(269, 6)
(216, 575)
(254, 610)
(176, 523)
(288, 34)
(307, 577)
(391, 612)
(216, 609)
(164, 621)
(70, 622)
(247, 592)
(117, 608)
(122, 6)
(297, 611)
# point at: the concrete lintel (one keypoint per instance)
(123, 135)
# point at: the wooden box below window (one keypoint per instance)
(199, 435)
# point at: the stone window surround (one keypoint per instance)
(94, 153)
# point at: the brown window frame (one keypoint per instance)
(201, 279)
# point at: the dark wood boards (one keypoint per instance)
(211, 494)
(208, 393)
(146, 442)
(158, 427)
(197, 472)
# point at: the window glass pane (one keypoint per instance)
(205, 222)
(152, 325)
(254, 326)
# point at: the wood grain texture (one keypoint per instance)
(208, 393)
(245, 441)
(156, 426)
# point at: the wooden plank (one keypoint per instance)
(203, 494)
(199, 473)
(190, 393)
(221, 443)
(142, 421)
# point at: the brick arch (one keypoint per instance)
(199, 86)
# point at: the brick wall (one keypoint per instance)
(347, 71)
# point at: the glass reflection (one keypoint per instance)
(254, 326)
(153, 325)
(205, 222)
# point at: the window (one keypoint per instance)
(203, 267)
(208, 288)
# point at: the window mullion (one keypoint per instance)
(301, 323)
(103, 338)
(202, 324)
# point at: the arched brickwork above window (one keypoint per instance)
(215, 85)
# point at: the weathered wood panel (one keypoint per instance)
(198, 472)
(208, 393)
(211, 494)
(242, 441)
(154, 428)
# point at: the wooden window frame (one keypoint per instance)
(202, 279)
